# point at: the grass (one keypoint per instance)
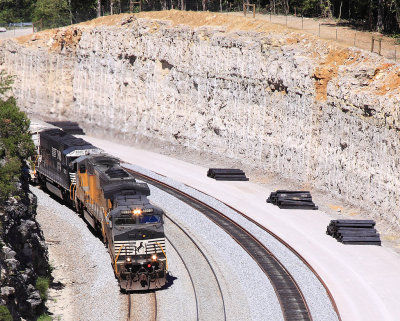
(45, 317)
(42, 284)
(5, 315)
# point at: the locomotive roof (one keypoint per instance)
(65, 141)
(114, 179)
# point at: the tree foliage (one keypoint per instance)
(53, 13)
(16, 145)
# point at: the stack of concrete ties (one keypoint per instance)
(354, 232)
(69, 127)
(227, 174)
(292, 200)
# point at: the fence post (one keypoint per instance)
(270, 15)
(380, 46)
(302, 25)
(319, 29)
(372, 44)
(286, 18)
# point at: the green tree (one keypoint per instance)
(16, 145)
(53, 13)
(16, 10)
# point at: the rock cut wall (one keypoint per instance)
(292, 104)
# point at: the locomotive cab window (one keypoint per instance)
(125, 221)
(148, 219)
(82, 169)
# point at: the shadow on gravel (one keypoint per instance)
(57, 285)
(170, 281)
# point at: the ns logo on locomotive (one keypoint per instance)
(110, 200)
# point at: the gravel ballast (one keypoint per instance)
(86, 287)
(313, 291)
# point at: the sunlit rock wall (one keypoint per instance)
(291, 104)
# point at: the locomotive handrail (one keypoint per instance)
(72, 189)
(34, 164)
(116, 259)
(166, 260)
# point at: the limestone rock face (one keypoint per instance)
(292, 104)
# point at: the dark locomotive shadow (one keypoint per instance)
(170, 281)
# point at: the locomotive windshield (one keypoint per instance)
(125, 221)
(149, 219)
(145, 219)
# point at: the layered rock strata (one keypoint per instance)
(289, 103)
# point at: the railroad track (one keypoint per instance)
(290, 297)
(206, 287)
(142, 306)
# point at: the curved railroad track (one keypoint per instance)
(142, 306)
(207, 289)
(290, 296)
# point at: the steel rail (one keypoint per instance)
(205, 257)
(190, 277)
(129, 307)
(290, 297)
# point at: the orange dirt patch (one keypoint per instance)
(66, 38)
(391, 83)
(327, 70)
(336, 207)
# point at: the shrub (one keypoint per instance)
(45, 317)
(42, 284)
(5, 315)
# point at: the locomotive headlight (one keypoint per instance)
(137, 211)
(128, 259)
(154, 257)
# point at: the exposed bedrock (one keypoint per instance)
(284, 101)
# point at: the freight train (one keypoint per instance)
(110, 200)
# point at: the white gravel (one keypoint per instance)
(252, 283)
(81, 264)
